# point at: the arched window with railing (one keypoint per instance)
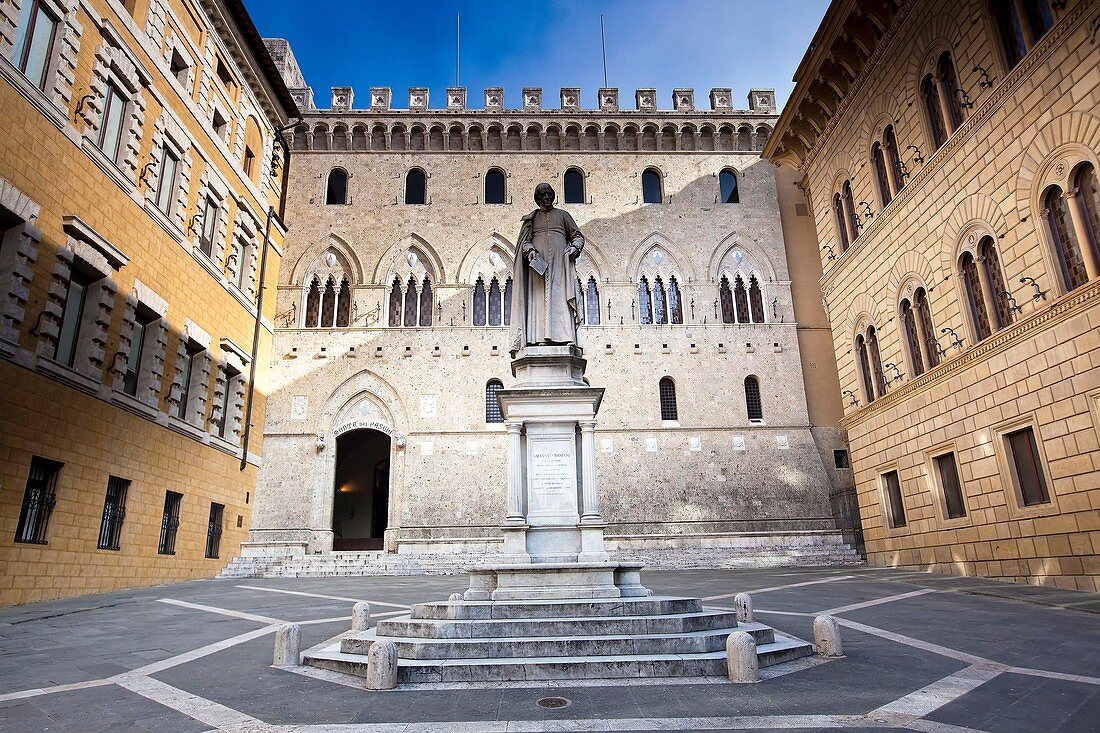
(492, 406)
(666, 391)
(495, 190)
(753, 406)
(416, 187)
(592, 303)
(336, 192)
(727, 187)
(574, 186)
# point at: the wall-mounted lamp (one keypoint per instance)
(964, 99)
(985, 82)
(832, 255)
(897, 372)
(868, 213)
(918, 157)
(956, 342)
(1040, 294)
(852, 397)
(1012, 306)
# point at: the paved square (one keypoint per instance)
(926, 653)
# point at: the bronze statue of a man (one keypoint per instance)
(546, 304)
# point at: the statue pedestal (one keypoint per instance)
(553, 531)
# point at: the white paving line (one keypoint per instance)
(35, 692)
(222, 611)
(319, 595)
(206, 711)
(1055, 675)
(930, 698)
(877, 601)
(201, 652)
(927, 646)
(781, 587)
(746, 722)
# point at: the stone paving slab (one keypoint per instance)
(90, 638)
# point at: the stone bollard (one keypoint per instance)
(360, 616)
(288, 645)
(742, 602)
(382, 665)
(741, 662)
(827, 637)
(455, 598)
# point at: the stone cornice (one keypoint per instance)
(1067, 306)
(968, 129)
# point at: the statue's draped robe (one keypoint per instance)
(546, 308)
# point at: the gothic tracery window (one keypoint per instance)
(479, 302)
(756, 300)
(410, 303)
(427, 302)
(675, 304)
(313, 303)
(741, 299)
(660, 302)
(494, 302)
(725, 297)
(645, 313)
(328, 304)
(343, 305)
(592, 303)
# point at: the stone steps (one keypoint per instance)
(609, 666)
(642, 606)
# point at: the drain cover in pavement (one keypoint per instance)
(552, 702)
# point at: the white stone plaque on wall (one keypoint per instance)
(739, 442)
(781, 442)
(299, 407)
(607, 445)
(695, 444)
(427, 448)
(650, 445)
(427, 405)
(551, 479)
(471, 447)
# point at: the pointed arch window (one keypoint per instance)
(494, 302)
(756, 300)
(975, 298)
(574, 186)
(666, 390)
(492, 406)
(727, 187)
(416, 187)
(753, 406)
(725, 297)
(395, 303)
(1067, 248)
(508, 302)
(427, 302)
(328, 304)
(675, 303)
(741, 299)
(313, 303)
(337, 190)
(494, 186)
(343, 304)
(410, 303)
(660, 302)
(652, 192)
(645, 313)
(580, 297)
(479, 302)
(592, 303)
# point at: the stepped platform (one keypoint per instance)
(567, 639)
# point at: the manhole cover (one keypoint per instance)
(552, 702)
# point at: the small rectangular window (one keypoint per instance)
(137, 344)
(166, 183)
(240, 251)
(110, 124)
(39, 498)
(72, 315)
(1028, 469)
(214, 531)
(948, 473)
(840, 459)
(249, 161)
(169, 523)
(179, 67)
(186, 376)
(225, 75)
(220, 125)
(210, 215)
(226, 403)
(35, 31)
(891, 485)
(114, 511)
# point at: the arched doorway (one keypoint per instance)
(360, 506)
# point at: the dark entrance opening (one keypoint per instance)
(361, 501)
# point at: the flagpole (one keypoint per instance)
(603, 45)
(458, 46)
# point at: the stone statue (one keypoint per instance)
(546, 302)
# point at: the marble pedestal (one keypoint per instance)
(553, 531)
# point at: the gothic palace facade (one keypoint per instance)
(702, 320)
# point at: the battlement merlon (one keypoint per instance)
(761, 101)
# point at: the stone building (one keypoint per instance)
(950, 150)
(139, 206)
(392, 334)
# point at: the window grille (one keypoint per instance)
(667, 391)
(1066, 247)
(950, 485)
(337, 190)
(494, 302)
(725, 295)
(214, 531)
(313, 303)
(492, 407)
(343, 304)
(39, 499)
(479, 302)
(896, 507)
(991, 264)
(427, 301)
(410, 302)
(753, 406)
(169, 523)
(645, 313)
(114, 512)
(756, 300)
(741, 299)
(328, 303)
(592, 303)
(1028, 468)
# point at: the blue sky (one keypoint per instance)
(521, 43)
